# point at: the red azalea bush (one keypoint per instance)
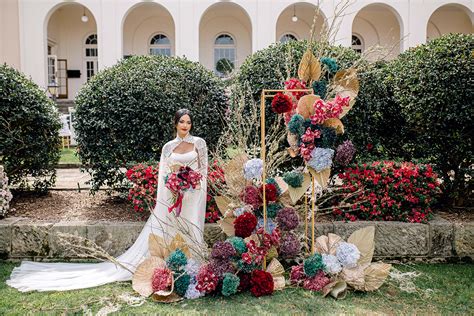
(145, 181)
(391, 191)
(281, 103)
(261, 283)
(245, 224)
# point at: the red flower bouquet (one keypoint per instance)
(261, 283)
(245, 224)
(180, 181)
(281, 103)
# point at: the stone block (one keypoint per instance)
(441, 238)
(213, 233)
(345, 229)
(398, 239)
(30, 239)
(59, 248)
(464, 239)
(6, 225)
(114, 237)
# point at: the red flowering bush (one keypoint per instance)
(143, 192)
(281, 103)
(261, 283)
(391, 191)
(245, 224)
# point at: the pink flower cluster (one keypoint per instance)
(256, 252)
(295, 83)
(309, 135)
(206, 279)
(161, 279)
(326, 110)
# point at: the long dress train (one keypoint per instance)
(41, 276)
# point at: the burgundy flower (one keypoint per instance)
(287, 219)
(261, 283)
(251, 196)
(281, 103)
(290, 246)
(271, 192)
(245, 224)
(222, 250)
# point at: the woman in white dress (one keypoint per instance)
(185, 149)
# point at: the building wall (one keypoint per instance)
(9, 33)
(124, 26)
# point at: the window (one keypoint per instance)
(288, 37)
(224, 54)
(91, 55)
(160, 45)
(357, 44)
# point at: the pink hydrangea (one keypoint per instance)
(161, 279)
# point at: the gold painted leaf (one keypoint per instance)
(305, 106)
(375, 275)
(327, 244)
(354, 277)
(142, 278)
(337, 289)
(309, 69)
(275, 268)
(278, 283)
(227, 226)
(282, 184)
(223, 203)
(179, 242)
(321, 177)
(336, 124)
(363, 239)
(297, 193)
(157, 246)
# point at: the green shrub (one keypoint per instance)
(432, 84)
(125, 113)
(29, 131)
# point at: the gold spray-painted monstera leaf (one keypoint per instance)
(310, 68)
(363, 239)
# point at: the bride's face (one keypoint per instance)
(184, 125)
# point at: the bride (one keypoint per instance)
(186, 150)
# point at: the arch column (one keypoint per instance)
(109, 34)
(187, 38)
(264, 31)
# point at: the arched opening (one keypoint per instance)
(225, 35)
(450, 18)
(379, 25)
(72, 54)
(148, 29)
(297, 19)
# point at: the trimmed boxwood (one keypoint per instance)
(125, 113)
(29, 131)
(432, 84)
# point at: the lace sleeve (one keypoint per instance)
(201, 149)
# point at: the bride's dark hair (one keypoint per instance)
(180, 113)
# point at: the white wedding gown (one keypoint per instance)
(41, 276)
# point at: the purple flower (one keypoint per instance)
(222, 250)
(219, 267)
(287, 219)
(344, 153)
(289, 246)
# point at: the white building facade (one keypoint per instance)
(65, 42)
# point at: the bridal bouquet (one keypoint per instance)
(180, 181)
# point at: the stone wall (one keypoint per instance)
(23, 239)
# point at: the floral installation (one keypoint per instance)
(393, 191)
(180, 181)
(337, 266)
(5, 194)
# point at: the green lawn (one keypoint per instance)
(441, 289)
(68, 155)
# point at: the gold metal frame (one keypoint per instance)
(270, 93)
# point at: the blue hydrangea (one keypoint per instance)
(192, 267)
(253, 169)
(192, 292)
(347, 254)
(271, 225)
(321, 158)
(332, 265)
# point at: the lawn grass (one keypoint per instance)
(441, 289)
(68, 155)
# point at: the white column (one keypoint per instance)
(187, 29)
(264, 26)
(109, 33)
